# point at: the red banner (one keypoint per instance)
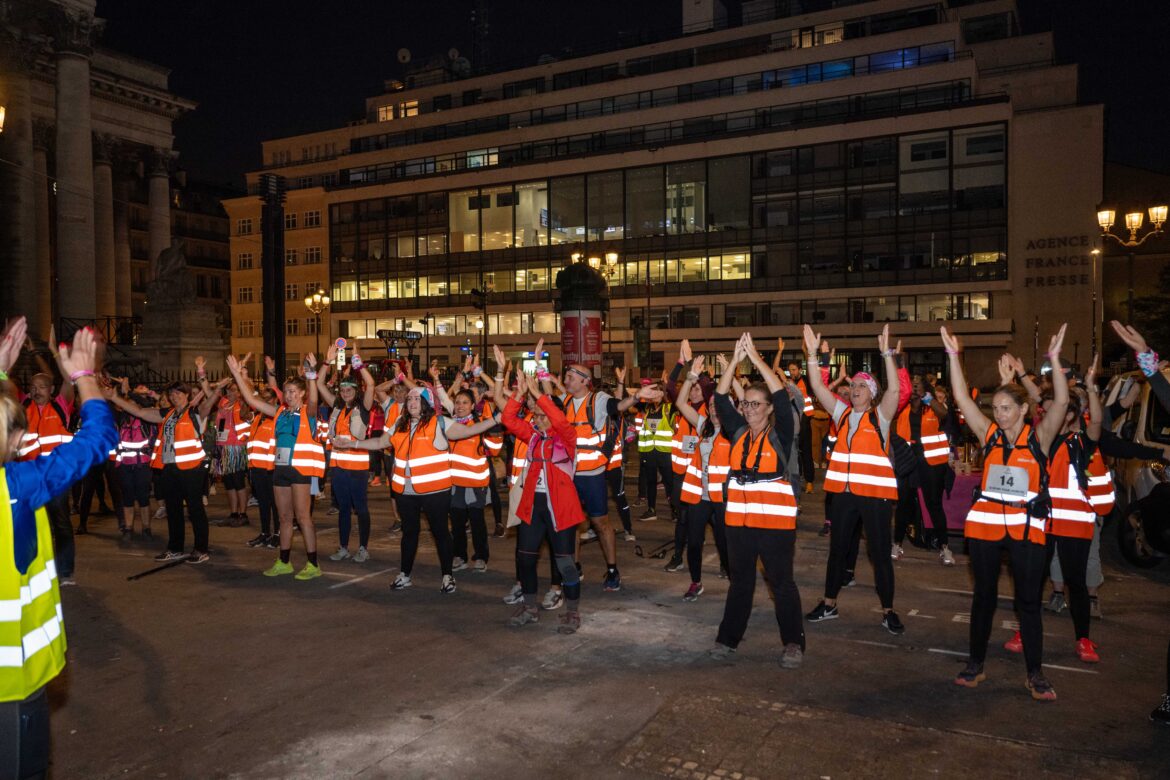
(581, 337)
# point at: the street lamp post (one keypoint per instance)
(1106, 216)
(317, 303)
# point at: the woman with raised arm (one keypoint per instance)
(298, 457)
(860, 477)
(178, 458)
(349, 418)
(33, 641)
(761, 506)
(708, 456)
(1011, 510)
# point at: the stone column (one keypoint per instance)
(43, 134)
(123, 277)
(76, 280)
(103, 225)
(18, 250)
(159, 203)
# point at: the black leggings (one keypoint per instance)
(410, 510)
(479, 541)
(873, 514)
(697, 516)
(262, 490)
(616, 478)
(178, 487)
(775, 548)
(1074, 563)
(562, 545)
(1029, 562)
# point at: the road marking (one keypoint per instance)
(356, 580)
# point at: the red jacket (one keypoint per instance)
(563, 501)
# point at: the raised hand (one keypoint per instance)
(812, 340)
(1056, 343)
(950, 342)
(1130, 336)
(10, 344)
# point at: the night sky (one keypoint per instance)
(261, 69)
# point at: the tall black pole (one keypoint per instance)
(272, 269)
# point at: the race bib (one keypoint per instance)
(1009, 481)
(284, 456)
(689, 443)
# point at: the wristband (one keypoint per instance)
(78, 375)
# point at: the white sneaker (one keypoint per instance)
(589, 535)
(944, 555)
(458, 564)
(341, 554)
(515, 595)
(480, 566)
(553, 599)
(401, 582)
(448, 585)
(896, 552)
(361, 556)
(630, 537)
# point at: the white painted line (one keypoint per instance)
(363, 577)
(946, 652)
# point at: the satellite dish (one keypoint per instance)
(404, 56)
(452, 54)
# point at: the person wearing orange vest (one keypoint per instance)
(702, 484)
(179, 460)
(1010, 513)
(919, 425)
(761, 506)
(298, 457)
(860, 477)
(349, 470)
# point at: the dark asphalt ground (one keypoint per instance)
(215, 671)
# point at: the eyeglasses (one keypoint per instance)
(751, 404)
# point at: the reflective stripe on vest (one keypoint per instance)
(32, 630)
(860, 467)
(989, 519)
(430, 469)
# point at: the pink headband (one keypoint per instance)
(868, 381)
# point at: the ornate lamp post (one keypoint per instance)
(1106, 216)
(317, 303)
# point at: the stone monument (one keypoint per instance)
(175, 328)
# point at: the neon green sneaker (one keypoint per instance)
(278, 568)
(309, 572)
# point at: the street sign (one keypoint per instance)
(340, 343)
(399, 335)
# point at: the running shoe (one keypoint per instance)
(553, 599)
(448, 585)
(1040, 688)
(791, 657)
(479, 566)
(169, 555)
(458, 564)
(674, 564)
(361, 556)
(515, 595)
(279, 568)
(896, 552)
(613, 582)
(1055, 602)
(258, 541)
(341, 554)
(273, 542)
(1015, 644)
(310, 572)
(693, 592)
(825, 529)
(971, 675)
(401, 582)
(1087, 651)
(198, 556)
(720, 652)
(1094, 607)
(649, 514)
(1161, 713)
(945, 557)
(569, 622)
(892, 624)
(630, 537)
(822, 611)
(524, 615)
(589, 535)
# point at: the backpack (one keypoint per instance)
(901, 453)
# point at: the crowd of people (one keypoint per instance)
(736, 450)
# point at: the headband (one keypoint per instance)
(868, 381)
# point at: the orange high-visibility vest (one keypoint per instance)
(717, 467)
(1101, 493)
(589, 455)
(996, 513)
(188, 446)
(308, 455)
(758, 494)
(469, 461)
(48, 429)
(685, 437)
(935, 446)
(261, 445)
(860, 466)
(430, 468)
(1072, 513)
(350, 460)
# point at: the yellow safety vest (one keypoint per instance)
(32, 632)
